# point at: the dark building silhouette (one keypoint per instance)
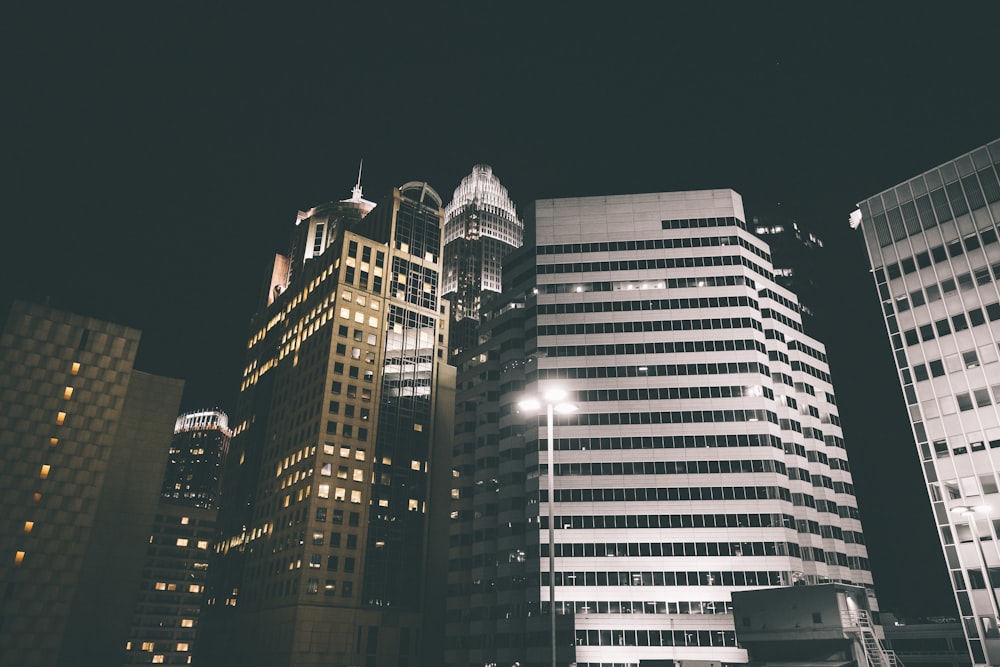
(165, 624)
(83, 437)
(800, 261)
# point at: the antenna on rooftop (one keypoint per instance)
(356, 192)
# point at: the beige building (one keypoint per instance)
(83, 437)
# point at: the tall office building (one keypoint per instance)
(932, 242)
(83, 437)
(165, 624)
(325, 486)
(705, 454)
(481, 227)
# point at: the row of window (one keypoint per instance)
(673, 393)
(694, 223)
(651, 370)
(657, 578)
(658, 263)
(648, 326)
(938, 254)
(682, 467)
(645, 304)
(661, 283)
(943, 327)
(934, 292)
(666, 347)
(655, 638)
(684, 493)
(671, 417)
(329, 587)
(649, 244)
(929, 209)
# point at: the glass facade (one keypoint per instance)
(705, 454)
(932, 242)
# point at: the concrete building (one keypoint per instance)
(165, 625)
(932, 243)
(481, 227)
(324, 519)
(705, 455)
(828, 625)
(83, 437)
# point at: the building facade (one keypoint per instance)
(799, 258)
(932, 243)
(325, 487)
(481, 227)
(705, 455)
(83, 437)
(165, 624)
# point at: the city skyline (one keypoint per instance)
(138, 156)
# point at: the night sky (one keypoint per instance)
(154, 158)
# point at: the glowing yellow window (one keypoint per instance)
(182, 541)
(18, 557)
(60, 418)
(37, 498)
(28, 527)
(356, 497)
(147, 646)
(44, 472)
(185, 520)
(157, 660)
(182, 646)
(202, 544)
(75, 368)
(68, 393)
(53, 442)
(187, 622)
(160, 586)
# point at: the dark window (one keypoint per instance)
(923, 260)
(908, 265)
(920, 372)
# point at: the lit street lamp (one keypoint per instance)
(555, 401)
(970, 512)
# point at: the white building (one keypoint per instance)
(705, 455)
(932, 242)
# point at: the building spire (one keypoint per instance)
(356, 191)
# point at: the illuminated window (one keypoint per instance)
(147, 646)
(182, 541)
(185, 520)
(157, 659)
(18, 557)
(413, 505)
(37, 498)
(194, 588)
(324, 491)
(44, 472)
(356, 497)
(161, 586)
(418, 427)
(28, 526)
(182, 646)
(68, 393)
(53, 442)
(359, 317)
(373, 322)
(340, 493)
(202, 544)
(60, 418)
(345, 313)
(414, 465)
(359, 454)
(75, 368)
(187, 622)
(358, 475)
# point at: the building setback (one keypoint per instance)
(83, 437)
(325, 488)
(165, 625)
(481, 227)
(705, 455)
(932, 243)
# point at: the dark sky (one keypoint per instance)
(155, 155)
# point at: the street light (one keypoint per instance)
(970, 511)
(554, 400)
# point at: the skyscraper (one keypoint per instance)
(932, 243)
(799, 260)
(481, 227)
(83, 439)
(325, 487)
(705, 454)
(165, 625)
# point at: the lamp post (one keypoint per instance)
(970, 512)
(554, 400)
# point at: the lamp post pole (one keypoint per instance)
(550, 408)
(553, 399)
